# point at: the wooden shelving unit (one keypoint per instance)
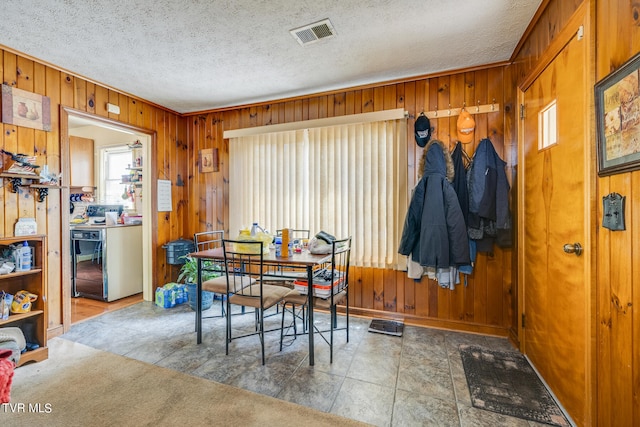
(26, 180)
(33, 323)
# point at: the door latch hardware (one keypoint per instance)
(575, 248)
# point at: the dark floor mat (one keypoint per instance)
(504, 382)
(388, 327)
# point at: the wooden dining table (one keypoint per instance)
(297, 261)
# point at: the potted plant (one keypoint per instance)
(189, 276)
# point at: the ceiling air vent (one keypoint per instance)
(313, 32)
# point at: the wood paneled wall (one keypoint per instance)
(617, 291)
(64, 89)
(486, 304)
(551, 18)
(618, 265)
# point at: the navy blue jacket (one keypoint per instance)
(489, 217)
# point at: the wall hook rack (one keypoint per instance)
(486, 108)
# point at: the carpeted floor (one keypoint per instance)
(82, 386)
(504, 382)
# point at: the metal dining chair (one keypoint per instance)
(330, 288)
(244, 263)
(218, 285)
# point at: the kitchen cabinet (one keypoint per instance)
(81, 159)
(34, 322)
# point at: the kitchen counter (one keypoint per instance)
(100, 226)
(108, 260)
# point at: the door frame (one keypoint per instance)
(148, 225)
(579, 25)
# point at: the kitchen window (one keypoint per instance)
(116, 161)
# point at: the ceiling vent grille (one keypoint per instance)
(313, 32)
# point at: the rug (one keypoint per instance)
(81, 386)
(504, 382)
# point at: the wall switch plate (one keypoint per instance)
(113, 108)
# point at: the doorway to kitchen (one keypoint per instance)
(85, 125)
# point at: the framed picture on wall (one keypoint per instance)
(206, 160)
(27, 109)
(617, 99)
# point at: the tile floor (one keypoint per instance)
(383, 380)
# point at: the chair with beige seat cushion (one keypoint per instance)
(331, 287)
(244, 263)
(211, 240)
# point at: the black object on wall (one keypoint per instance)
(613, 211)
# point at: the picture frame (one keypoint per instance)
(617, 103)
(206, 160)
(26, 109)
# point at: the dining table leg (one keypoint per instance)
(199, 303)
(310, 312)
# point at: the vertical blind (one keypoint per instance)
(348, 180)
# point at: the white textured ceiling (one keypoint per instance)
(196, 55)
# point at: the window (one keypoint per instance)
(116, 161)
(547, 126)
(348, 180)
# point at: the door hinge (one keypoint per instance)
(523, 320)
(521, 111)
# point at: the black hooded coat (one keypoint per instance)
(435, 232)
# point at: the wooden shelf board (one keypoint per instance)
(20, 316)
(19, 175)
(35, 270)
(53, 187)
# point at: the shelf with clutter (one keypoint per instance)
(132, 181)
(23, 296)
(23, 173)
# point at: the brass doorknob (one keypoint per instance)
(575, 248)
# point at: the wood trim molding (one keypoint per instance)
(375, 116)
(529, 30)
(87, 79)
(413, 320)
(348, 89)
(555, 47)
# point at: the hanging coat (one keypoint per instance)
(434, 232)
(489, 217)
(460, 180)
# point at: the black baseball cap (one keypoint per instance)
(423, 130)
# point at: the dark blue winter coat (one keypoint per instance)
(435, 233)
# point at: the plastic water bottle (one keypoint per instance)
(23, 257)
(255, 228)
(278, 246)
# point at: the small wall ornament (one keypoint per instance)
(613, 211)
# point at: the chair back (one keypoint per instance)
(208, 239)
(340, 259)
(244, 263)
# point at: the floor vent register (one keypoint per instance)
(387, 327)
